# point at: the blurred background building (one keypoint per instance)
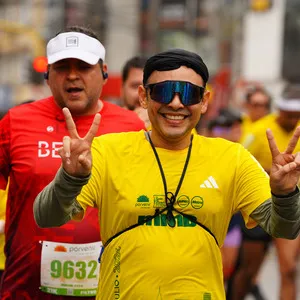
(243, 42)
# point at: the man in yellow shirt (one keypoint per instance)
(257, 105)
(166, 197)
(256, 241)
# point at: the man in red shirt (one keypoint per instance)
(30, 136)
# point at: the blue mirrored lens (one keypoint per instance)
(164, 92)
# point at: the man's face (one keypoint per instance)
(172, 123)
(76, 85)
(129, 91)
(258, 106)
(288, 120)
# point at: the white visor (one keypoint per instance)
(288, 104)
(75, 45)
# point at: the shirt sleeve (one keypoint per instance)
(5, 137)
(252, 185)
(280, 217)
(56, 204)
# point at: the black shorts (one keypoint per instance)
(235, 221)
(255, 234)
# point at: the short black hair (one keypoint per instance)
(137, 62)
(174, 59)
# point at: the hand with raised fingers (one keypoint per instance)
(285, 170)
(76, 151)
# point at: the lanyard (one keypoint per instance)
(170, 198)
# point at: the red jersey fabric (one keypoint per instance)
(29, 137)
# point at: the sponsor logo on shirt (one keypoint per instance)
(143, 202)
(197, 202)
(209, 183)
(161, 220)
(207, 296)
(182, 201)
(159, 201)
(46, 149)
(117, 271)
(50, 129)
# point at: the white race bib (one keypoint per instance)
(70, 269)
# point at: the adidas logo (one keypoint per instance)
(209, 183)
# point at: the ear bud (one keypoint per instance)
(105, 75)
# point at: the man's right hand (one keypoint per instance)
(76, 151)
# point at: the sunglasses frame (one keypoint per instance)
(201, 91)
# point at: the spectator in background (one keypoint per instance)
(132, 78)
(30, 136)
(256, 241)
(257, 105)
(227, 125)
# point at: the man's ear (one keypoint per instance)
(104, 73)
(204, 103)
(143, 96)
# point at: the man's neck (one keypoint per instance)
(170, 144)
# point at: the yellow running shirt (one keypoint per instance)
(246, 126)
(257, 143)
(155, 261)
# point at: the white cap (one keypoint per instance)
(288, 104)
(75, 45)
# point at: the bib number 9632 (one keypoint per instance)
(70, 269)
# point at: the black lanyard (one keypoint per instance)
(170, 198)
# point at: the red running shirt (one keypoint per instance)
(29, 137)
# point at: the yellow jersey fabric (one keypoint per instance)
(246, 126)
(155, 261)
(3, 198)
(257, 143)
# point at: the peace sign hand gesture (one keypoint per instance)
(285, 170)
(76, 151)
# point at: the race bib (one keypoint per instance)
(70, 269)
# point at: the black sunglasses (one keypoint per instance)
(163, 92)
